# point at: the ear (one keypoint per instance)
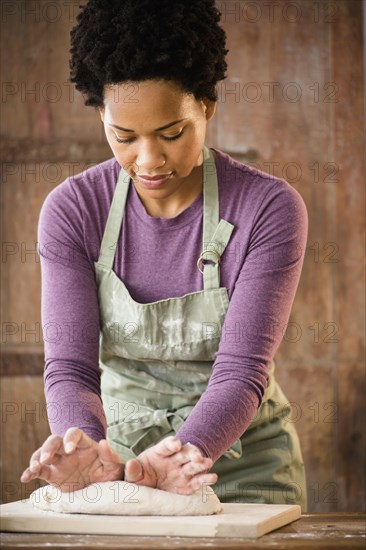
(101, 112)
(209, 108)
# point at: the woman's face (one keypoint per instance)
(153, 128)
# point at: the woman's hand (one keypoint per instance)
(171, 466)
(74, 461)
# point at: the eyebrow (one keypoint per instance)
(156, 129)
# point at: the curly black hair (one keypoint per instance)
(116, 41)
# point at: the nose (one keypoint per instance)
(150, 157)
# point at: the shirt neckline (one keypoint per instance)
(183, 218)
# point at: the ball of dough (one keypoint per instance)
(120, 498)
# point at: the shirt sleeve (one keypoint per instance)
(70, 318)
(254, 326)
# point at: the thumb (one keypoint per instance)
(134, 471)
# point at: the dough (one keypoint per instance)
(120, 498)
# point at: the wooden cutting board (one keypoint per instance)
(237, 520)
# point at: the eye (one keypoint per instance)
(174, 137)
(130, 140)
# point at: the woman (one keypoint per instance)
(176, 264)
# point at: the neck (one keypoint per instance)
(172, 206)
(186, 194)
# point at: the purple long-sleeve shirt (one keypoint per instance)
(260, 268)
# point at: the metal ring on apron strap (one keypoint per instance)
(201, 258)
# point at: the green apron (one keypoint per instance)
(156, 361)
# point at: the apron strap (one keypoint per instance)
(114, 221)
(212, 252)
(210, 196)
(133, 438)
(215, 235)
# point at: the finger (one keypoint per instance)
(41, 472)
(134, 471)
(108, 457)
(193, 453)
(187, 456)
(50, 448)
(27, 476)
(199, 480)
(193, 468)
(197, 483)
(34, 460)
(207, 462)
(190, 452)
(168, 446)
(33, 468)
(72, 438)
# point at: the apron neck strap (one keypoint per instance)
(114, 221)
(215, 235)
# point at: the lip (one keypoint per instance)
(154, 181)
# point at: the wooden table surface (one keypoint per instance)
(326, 531)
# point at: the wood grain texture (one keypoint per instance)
(292, 106)
(14, 363)
(235, 521)
(24, 428)
(314, 139)
(310, 532)
(349, 276)
(315, 416)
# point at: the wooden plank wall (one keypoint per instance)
(292, 106)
